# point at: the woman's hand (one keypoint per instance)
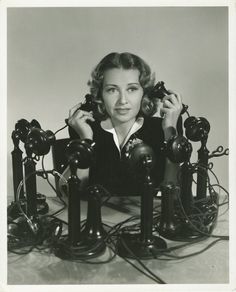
(172, 107)
(78, 120)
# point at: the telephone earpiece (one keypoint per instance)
(158, 91)
(90, 105)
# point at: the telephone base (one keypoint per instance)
(131, 246)
(82, 250)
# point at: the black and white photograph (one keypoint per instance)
(116, 165)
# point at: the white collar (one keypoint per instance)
(107, 126)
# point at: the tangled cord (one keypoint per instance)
(203, 214)
(24, 241)
(27, 232)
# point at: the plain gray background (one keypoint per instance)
(52, 51)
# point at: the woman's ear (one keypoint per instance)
(102, 113)
(148, 107)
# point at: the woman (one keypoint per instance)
(120, 85)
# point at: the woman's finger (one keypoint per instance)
(167, 104)
(178, 96)
(87, 118)
(81, 120)
(171, 99)
(164, 110)
(74, 109)
(80, 113)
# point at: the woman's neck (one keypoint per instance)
(122, 129)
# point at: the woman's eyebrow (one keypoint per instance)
(115, 85)
(110, 84)
(133, 83)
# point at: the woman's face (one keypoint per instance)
(122, 94)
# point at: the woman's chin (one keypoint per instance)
(118, 119)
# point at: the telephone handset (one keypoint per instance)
(149, 102)
(90, 105)
(159, 91)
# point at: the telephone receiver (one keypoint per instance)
(159, 92)
(90, 105)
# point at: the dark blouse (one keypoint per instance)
(110, 168)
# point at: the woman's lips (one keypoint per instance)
(122, 111)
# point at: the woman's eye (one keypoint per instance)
(111, 89)
(131, 89)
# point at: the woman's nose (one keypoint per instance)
(122, 97)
